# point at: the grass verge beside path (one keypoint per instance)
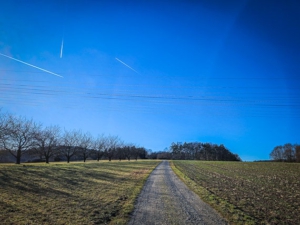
(227, 210)
(75, 193)
(246, 193)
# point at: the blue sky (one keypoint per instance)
(209, 71)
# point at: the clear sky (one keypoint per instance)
(157, 72)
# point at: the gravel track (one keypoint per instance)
(165, 199)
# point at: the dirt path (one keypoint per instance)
(165, 199)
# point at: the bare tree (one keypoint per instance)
(69, 144)
(120, 153)
(289, 152)
(3, 123)
(100, 146)
(85, 142)
(128, 150)
(297, 152)
(137, 152)
(46, 142)
(18, 135)
(4, 154)
(112, 143)
(277, 153)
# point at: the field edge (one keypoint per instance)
(128, 207)
(228, 211)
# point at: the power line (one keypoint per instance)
(171, 77)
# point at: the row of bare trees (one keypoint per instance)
(286, 153)
(20, 136)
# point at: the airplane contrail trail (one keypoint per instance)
(127, 65)
(47, 71)
(61, 48)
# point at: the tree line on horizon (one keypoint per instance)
(202, 151)
(286, 153)
(20, 136)
(23, 138)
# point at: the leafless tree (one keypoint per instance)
(100, 146)
(128, 150)
(120, 153)
(46, 142)
(277, 153)
(69, 144)
(4, 122)
(137, 151)
(286, 153)
(18, 135)
(289, 152)
(112, 143)
(85, 143)
(297, 152)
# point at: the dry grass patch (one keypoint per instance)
(76, 193)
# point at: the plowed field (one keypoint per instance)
(269, 193)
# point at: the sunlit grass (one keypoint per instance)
(75, 193)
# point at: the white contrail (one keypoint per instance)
(61, 48)
(47, 71)
(126, 65)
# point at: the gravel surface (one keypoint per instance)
(165, 199)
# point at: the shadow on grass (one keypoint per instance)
(93, 193)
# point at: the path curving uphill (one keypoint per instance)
(165, 199)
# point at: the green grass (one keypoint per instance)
(246, 193)
(75, 193)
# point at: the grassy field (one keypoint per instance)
(75, 193)
(246, 193)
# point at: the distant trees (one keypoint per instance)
(17, 135)
(3, 124)
(138, 152)
(163, 155)
(85, 143)
(99, 147)
(277, 153)
(286, 153)
(297, 153)
(45, 142)
(202, 151)
(112, 143)
(128, 150)
(69, 144)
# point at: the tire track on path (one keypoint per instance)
(165, 199)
